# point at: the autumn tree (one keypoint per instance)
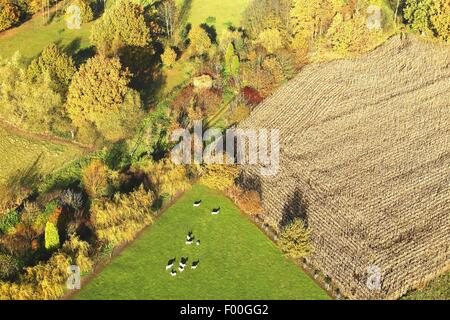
(31, 105)
(95, 179)
(417, 13)
(9, 14)
(55, 64)
(168, 11)
(124, 24)
(310, 19)
(267, 14)
(440, 18)
(294, 239)
(99, 95)
(199, 41)
(430, 17)
(271, 40)
(169, 57)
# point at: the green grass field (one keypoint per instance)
(237, 261)
(32, 37)
(18, 153)
(224, 11)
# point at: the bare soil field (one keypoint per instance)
(365, 158)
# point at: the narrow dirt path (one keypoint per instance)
(40, 136)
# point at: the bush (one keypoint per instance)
(9, 221)
(251, 96)
(248, 201)
(78, 250)
(9, 267)
(218, 176)
(169, 57)
(51, 236)
(119, 220)
(294, 240)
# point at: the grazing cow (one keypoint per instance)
(215, 211)
(181, 269)
(183, 262)
(197, 203)
(198, 242)
(173, 273)
(170, 263)
(195, 264)
(189, 238)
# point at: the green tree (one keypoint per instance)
(417, 13)
(51, 236)
(294, 240)
(200, 41)
(31, 105)
(229, 54)
(99, 94)
(55, 64)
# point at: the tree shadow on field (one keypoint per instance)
(80, 56)
(20, 186)
(294, 208)
(211, 31)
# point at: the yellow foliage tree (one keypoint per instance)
(95, 178)
(200, 41)
(294, 240)
(169, 57)
(271, 40)
(219, 176)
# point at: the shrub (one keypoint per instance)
(51, 236)
(78, 250)
(9, 221)
(9, 267)
(238, 113)
(251, 96)
(169, 57)
(166, 179)
(119, 220)
(218, 176)
(95, 178)
(72, 199)
(294, 240)
(248, 201)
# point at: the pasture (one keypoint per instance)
(33, 36)
(237, 261)
(224, 11)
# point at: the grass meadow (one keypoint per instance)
(225, 11)
(237, 261)
(32, 37)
